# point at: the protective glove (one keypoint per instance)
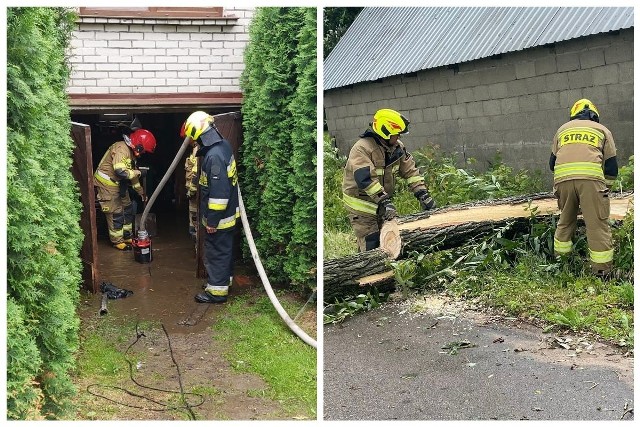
(386, 210)
(426, 202)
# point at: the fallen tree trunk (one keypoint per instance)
(442, 229)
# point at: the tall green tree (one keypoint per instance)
(278, 152)
(43, 213)
(300, 263)
(336, 21)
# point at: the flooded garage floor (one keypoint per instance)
(164, 289)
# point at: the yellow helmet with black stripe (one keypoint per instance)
(580, 106)
(197, 124)
(387, 122)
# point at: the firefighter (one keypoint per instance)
(191, 184)
(219, 208)
(374, 163)
(115, 174)
(584, 165)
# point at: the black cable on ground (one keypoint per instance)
(182, 394)
(163, 406)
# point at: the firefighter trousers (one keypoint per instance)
(592, 198)
(366, 230)
(218, 260)
(193, 215)
(118, 211)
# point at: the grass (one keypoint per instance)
(258, 341)
(102, 347)
(338, 244)
(578, 302)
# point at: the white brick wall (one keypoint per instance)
(158, 56)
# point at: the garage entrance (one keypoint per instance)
(95, 131)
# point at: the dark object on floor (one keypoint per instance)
(114, 292)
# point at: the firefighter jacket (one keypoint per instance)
(583, 149)
(191, 172)
(371, 172)
(118, 164)
(218, 186)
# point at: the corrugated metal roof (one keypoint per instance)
(386, 41)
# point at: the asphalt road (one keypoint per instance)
(390, 364)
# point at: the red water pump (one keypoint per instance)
(142, 251)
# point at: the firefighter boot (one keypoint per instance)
(122, 246)
(213, 294)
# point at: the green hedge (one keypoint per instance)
(278, 170)
(43, 235)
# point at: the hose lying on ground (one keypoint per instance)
(265, 280)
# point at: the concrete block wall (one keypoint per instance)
(512, 104)
(119, 55)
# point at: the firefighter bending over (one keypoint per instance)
(117, 172)
(375, 161)
(219, 208)
(584, 165)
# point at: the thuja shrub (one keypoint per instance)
(43, 212)
(301, 250)
(278, 171)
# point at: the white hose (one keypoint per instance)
(265, 280)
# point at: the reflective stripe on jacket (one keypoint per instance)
(581, 147)
(117, 164)
(371, 172)
(218, 182)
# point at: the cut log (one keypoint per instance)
(442, 229)
(342, 275)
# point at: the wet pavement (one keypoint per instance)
(164, 289)
(393, 363)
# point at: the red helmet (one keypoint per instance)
(142, 141)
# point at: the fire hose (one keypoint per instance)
(142, 234)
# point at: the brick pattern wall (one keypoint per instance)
(512, 104)
(117, 55)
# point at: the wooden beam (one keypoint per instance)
(148, 101)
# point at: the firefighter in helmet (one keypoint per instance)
(191, 184)
(584, 166)
(219, 208)
(117, 172)
(375, 162)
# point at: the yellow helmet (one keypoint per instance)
(581, 105)
(388, 122)
(197, 124)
